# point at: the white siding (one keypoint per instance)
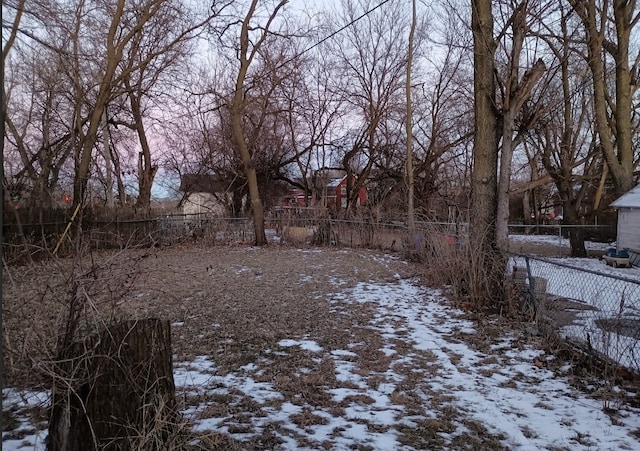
(203, 204)
(629, 228)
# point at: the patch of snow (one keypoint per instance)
(308, 345)
(558, 240)
(26, 436)
(531, 407)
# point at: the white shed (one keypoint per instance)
(628, 206)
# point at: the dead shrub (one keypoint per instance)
(298, 235)
(325, 234)
(57, 299)
(474, 279)
(54, 306)
(444, 261)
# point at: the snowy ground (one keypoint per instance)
(557, 240)
(613, 294)
(406, 370)
(525, 406)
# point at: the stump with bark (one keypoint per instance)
(115, 390)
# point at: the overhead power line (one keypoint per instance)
(340, 30)
(311, 47)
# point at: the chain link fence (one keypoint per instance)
(597, 309)
(120, 233)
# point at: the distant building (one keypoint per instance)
(204, 194)
(337, 195)
(628, 206)
(333, 195)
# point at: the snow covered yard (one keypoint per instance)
(604, 302)
(290, 349)
(427, 388)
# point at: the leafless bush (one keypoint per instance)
(444, 261)
(298, 235)
(325, 234)
(60, 299)
(448, 261)
(356, 233)
(58, 318)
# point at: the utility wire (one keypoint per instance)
(340, 30)
(308, 49)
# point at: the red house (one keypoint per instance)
(333, 196)
(295, 198)
(337, 195)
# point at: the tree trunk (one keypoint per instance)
(146, 174)
(517, 93)
(257, 209)
(115, 391)
(526, 207)
(146, 169)
(624, 12)
(576, 234)
(122, 194)
(106, 150)
(486, 270)
(85, 147)
(246, 55)
(411, 217)
(613, 122)
(504, 181)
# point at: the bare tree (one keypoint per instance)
(565, 137)
(272, 121)
(249, 46)
(486, 267)
(73, 33)
(613, 111)
(371, 56)
(35, 126)
(155, 57)
(443, 131)
(101, 51)
(515, 92)
(42, 149)
(119, 36)
(411, 217)
(311, 110)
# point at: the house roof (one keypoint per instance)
(629, 200)
(333, 183)
(203, 183)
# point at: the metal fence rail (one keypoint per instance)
(161, 231)
(597, 310)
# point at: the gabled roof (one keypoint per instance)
(333, 183)
(202, 183)
(629, 200)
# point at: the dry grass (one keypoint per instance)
(234, 305)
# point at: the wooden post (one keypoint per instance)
(539, 286)
(115, 391)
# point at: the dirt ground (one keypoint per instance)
(217, 294)
(229, 303)
(251, 296)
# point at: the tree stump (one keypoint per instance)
(115, 391)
